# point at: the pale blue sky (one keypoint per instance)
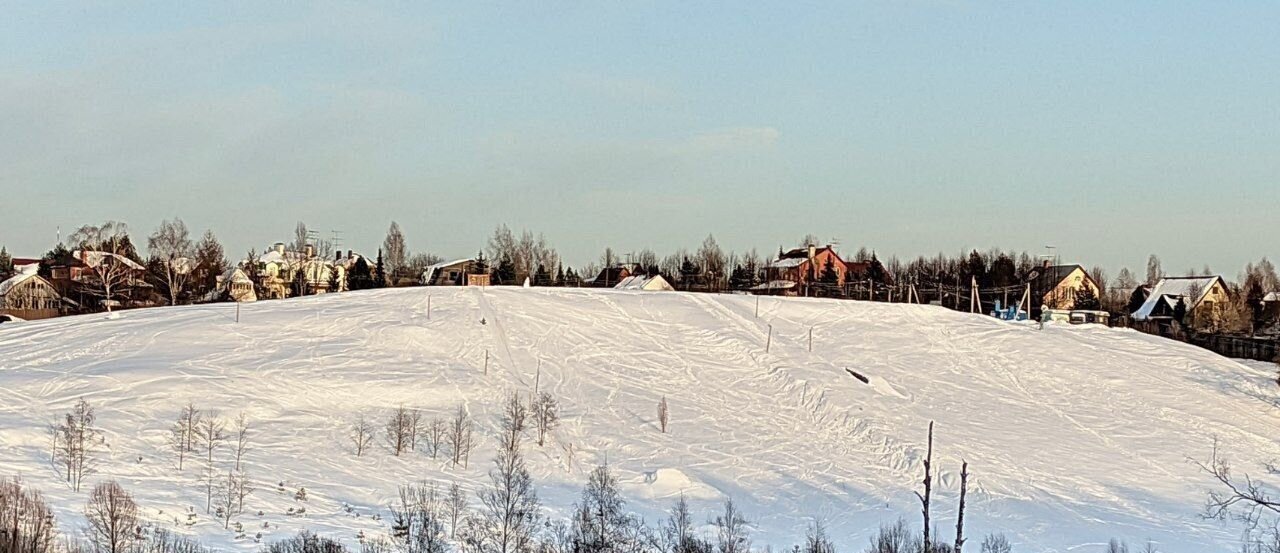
(1110, 129)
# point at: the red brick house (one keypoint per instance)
(799, 272)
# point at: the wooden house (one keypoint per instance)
(1056, 287)
(27, 295)
(1204, 298)
(449, 273)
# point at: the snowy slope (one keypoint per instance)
(1073, 434)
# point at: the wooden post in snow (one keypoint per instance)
(810, 339)
(237, 312)
(973, 295)
(486, 362)
(964, 483)
(928, 487)
(428, 307)
(757, 307)
(768, 339)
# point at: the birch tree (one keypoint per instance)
(76, 442)
(107, 258)
(170, 246)
(509, 504)
(394, 251)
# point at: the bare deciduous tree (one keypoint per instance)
(362, 433)
(242, 438)
(226, 505)
(996, 543)
(546, 415)
(434, 435)
(113, 519)
(1247, 497)
(26, 521)
(514, 419)
(415, 521)
(210, 433)
(76, 442)
(731, 530)
(170, 247)
(107, 258)
(509, 504)
(460, 436)
(399, 430)
(182, 435)
(394, 251)
(816, 540)
(456, 505)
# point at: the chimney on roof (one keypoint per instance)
(279, 247)
(349, 255)
(309, 250)
(1047, 263)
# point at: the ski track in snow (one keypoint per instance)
(1074, 435)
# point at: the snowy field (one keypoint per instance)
(1074, 435)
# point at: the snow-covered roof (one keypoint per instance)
(429, 273)
(643, 282)
(25, 273)
(273, 256)
(775, 285)
(1171, 289)
(1273, 296)
(94, 258)
(787, 263)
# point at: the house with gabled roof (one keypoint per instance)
(796, 271)
(1203, 294)
(1056, 286)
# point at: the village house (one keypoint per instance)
(279, 268)
(609, 277)
(798, 272)
(1056, 287)
(647, 283)
(449, 273)
(27, 295)
(1202, 297)
(233, 285)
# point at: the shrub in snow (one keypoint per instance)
(306, 542)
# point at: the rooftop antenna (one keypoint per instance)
(337, 239)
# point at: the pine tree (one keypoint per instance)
(829, 274)
(560, 274)
(1086, 299)
(6, 262)
(506, 271)
(541, 277)
(379, 272)
(688, 273)
(211, 261)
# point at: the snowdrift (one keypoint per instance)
(1074, 435)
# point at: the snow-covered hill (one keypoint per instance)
(1073, 434)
